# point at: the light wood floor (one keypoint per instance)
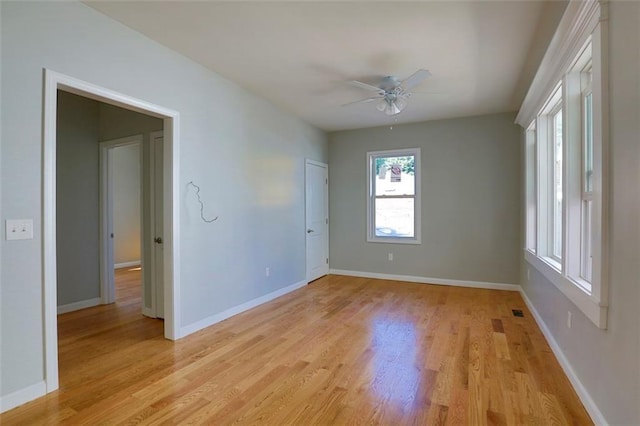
(342, 350)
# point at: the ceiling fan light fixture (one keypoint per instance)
(392, 92)
(401, 103)
(392, 109)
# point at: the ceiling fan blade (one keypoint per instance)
(366, 86)
(363, 101)
(415, 79)
(430, 93)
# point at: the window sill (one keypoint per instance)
(588, 304)
(392, 240)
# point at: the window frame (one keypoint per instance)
(545, 160)
(371, 196)
(531, 188)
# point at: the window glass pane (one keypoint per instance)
(394, 217)
(588, 143)
(557, 185)
(395, 175)
(587, 260)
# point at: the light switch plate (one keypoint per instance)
(19, 229)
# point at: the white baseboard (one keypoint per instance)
(127, 264)
(76, 306)
(427, 280)
(582, 392)
(22, 396)
(148, 312)
(213, 319)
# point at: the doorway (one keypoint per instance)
(53, 82)
(131, 225)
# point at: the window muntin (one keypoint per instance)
(394, 197)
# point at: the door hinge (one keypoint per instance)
(327, 260)
(326, 181)
(326, 221)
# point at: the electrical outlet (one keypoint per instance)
(569, 315)
(267, 271)
(19, 229)
(391, 256)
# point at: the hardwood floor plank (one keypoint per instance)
(341, 350)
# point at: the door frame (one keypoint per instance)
(107, 262)
(52, 82)
(325, 166)
(152, 220)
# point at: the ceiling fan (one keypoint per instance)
(392, 93)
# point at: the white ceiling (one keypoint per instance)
(299, 55)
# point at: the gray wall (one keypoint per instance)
(470, 200)
(77, 187)
(126, 203)
(82, 123)
(607, 361)
(247, 155)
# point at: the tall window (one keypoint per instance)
(393, 210)
(566, 152)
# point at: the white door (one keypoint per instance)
(317, 219)
(157, 223)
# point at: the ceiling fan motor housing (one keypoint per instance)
(389, 83)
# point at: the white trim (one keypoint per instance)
(578, 22)
(213, 319)
(171, 218)
(427, 280)
(49, 251)
(588, 304)
(52, 82)
(76, 306)
(580, 389)
(152, 269)
(22, 396)
(127, 264)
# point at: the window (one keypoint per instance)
(566, 146)
(586, 260)
(556, 191)
(393, 210)
(531, 189)
(550, 164)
